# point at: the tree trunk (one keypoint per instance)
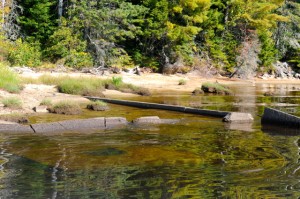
(60, 8)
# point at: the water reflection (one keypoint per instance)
(198, 157)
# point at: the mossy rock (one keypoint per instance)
(215, 88)
(66, 108)
(98, 106)
(197, 92)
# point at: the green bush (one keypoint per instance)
(117, 81)
(12, 102)
(182, 82)
(79, 60)
(9, 80)
(67, 46)
(25, 54)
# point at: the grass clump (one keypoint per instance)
(9, 80)
(117, 81)
(182, 82)
(217, 88)
(66, 108)
(98, 106)
(12, 102)
(119, 85)
(46, 102)
(81, 86)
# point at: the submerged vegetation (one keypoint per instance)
(169, 36)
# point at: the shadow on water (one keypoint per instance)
(199, 157)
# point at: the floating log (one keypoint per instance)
(148, 105)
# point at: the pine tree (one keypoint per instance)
(38, 19)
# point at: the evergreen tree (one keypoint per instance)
(37, 19)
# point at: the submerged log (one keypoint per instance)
(278, 118)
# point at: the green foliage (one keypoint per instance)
(117, 81)
(152, 33)
(12, 102)
(37, 19)
(268, 52)
(78, 59)
(5, 47)
(25, 54)
(182, 82)
(69, 46)
(9, 81)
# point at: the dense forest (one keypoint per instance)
(164, 35)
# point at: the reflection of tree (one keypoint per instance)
(196, 159)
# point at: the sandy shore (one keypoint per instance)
(33, 94)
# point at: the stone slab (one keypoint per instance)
(147, 120)
(238, 117)
(40, 109)
(112, 122)
(48, 127)
(84, 124)
(13, 128)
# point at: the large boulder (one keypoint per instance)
(238, 117)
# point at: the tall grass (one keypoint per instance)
(9, 80)
(12, 102)
(89, 86)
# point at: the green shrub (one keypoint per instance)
(66, 108)
(9, 80)
(79, 60)
(117, 81)
(98, 106)
(25, 54)
(12, 102)
(182, 82)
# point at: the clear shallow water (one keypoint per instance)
(199, 157)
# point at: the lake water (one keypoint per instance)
(199, 157)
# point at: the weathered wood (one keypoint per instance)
(278, 118)
(148, 105)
